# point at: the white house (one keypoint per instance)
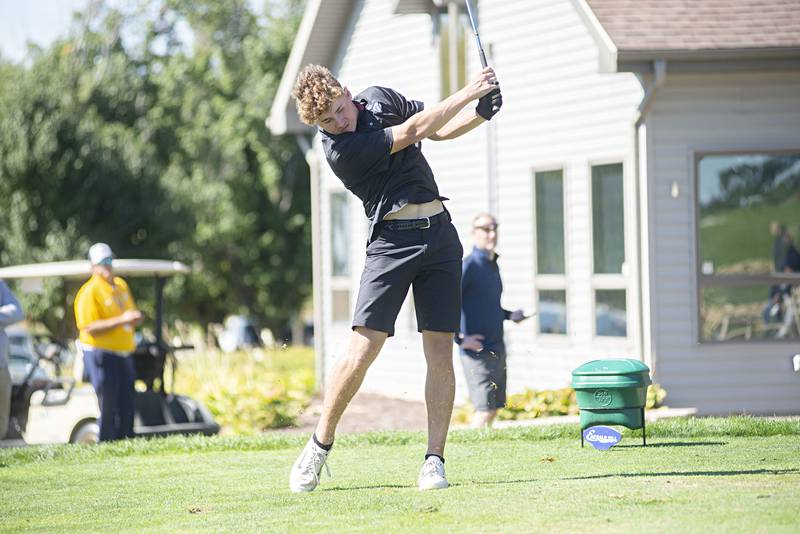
(643, 148)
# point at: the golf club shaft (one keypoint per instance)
(482, 54)
(484, 64)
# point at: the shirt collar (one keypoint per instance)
(485, 254)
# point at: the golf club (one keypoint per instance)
(484, 64)
(481, 53)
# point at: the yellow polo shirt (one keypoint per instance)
(98, 299)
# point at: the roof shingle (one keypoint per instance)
(686, 25)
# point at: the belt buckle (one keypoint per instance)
(428, 221)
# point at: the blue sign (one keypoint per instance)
(602, 438)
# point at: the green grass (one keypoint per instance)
(718, 475)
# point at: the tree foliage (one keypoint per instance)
(145, 129)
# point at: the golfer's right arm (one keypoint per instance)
(429, 121)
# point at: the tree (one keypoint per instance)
(156, 144)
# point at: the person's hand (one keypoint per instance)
(483, 84)
(473, 342)
(489, 105)
(131, 317)
(517, 316)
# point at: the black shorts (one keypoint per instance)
(429, 260)
(485, 372)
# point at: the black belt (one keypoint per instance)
(422, 223)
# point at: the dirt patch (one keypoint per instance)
(368, 412)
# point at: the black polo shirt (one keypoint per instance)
(362, 159)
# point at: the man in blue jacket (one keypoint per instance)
(483, 351)
(10, 313)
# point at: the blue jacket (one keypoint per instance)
(10, 313)
(481, 289)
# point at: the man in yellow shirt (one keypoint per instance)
(106, 316)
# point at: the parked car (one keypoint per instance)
(238, 334)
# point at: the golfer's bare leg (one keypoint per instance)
(440, 387)
(483, 418)
(347, 375)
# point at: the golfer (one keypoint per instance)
(372, 143)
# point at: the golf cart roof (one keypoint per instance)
(79, 269)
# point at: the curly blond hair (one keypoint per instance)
(314, 92)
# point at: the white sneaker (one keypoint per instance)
(431, 476)
(307, 467)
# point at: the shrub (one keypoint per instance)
(249, 392)
(531, 404)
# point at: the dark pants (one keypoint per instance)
(112, 377)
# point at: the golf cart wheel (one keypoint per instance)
(86, 432)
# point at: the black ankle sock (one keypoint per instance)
(321, 445)
(439, 457)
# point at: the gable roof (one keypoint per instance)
(317, 41)
(633, 32)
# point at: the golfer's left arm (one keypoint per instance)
(462, 123)
(469, 119)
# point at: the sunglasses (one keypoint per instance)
(487, 228)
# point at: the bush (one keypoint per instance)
(531, 404)
(249, 392)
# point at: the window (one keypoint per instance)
(550, 222)
(340, 257)
(608, 220)
(748, 223)
(552, 311)
(551, 278)
(608, 251)
(611, 318)
(340, 305)
(340, 235)
(453, 26)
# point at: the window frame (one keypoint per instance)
(550, 282)
(704, 281)
(623, 279)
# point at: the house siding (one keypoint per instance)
(700, 113)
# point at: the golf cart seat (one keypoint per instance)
(158, 414)
(149, 359)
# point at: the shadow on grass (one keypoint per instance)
(693, 474)
(495, 482)
(673, 444)
(454, 485)
(373, 487)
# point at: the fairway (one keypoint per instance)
(709, 475)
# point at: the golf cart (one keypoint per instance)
(54, 409)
